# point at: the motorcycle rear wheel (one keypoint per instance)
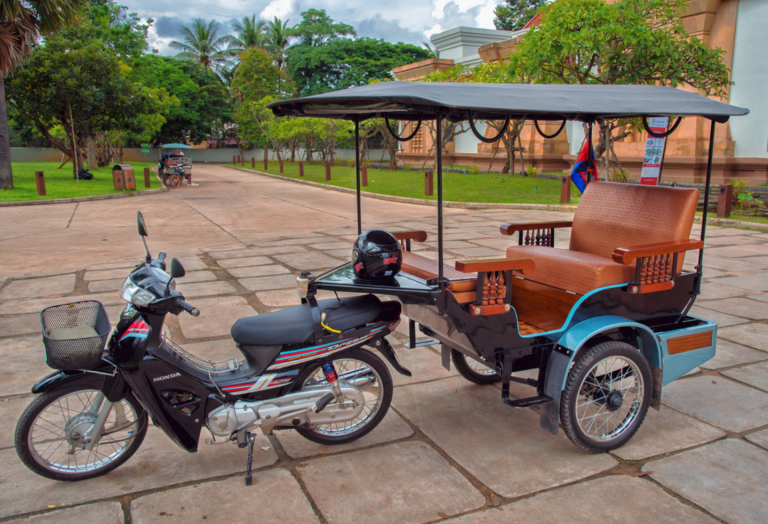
(48, 432)
(378, 395)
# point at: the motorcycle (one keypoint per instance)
(304, 368)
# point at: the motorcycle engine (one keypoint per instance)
(224, 420)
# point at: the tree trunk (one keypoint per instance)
(92, 164)
(6, 171)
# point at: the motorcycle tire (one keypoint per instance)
(474, 370)
(31, 456)
(332, 436)
(175, 180)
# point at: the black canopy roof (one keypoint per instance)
(458, 101)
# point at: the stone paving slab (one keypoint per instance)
(157, 463)
(727, 478)
(243, 262)
(287, 297)
(745, 250)
(759, 437)
(258, 271)
(753, 335)
(424, 364)
(719, 402)
(731, 354)
(196, 276)
(203, 289)
(756, 282)
(23, 364)
(274, 498)
(722, 319)
(10, 411)
(390, 429)
(101, 513)
(36, 305)
(106, 274)
(216, 316)
(302, 261)
(106, 285)
(729, 240)
(38, 287)
(741, 307)
(632, 500)
(11, 325)
(190, 262)
(125, 264)
(504, 448)
(666, 431)
(257, 251)
(405, 483)
(711, 291)
(755, 375)
(731, 264)
(268, 283)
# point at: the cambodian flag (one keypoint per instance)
(585, 168)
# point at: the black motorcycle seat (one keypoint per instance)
(293, 325)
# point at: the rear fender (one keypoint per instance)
(576, 340)
(114, 387)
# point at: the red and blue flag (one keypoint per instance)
(585, 168)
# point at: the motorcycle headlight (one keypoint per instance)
(133, 294)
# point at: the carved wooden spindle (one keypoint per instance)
(668, 272)
(538, 237)
(486, 288)
(527, 238)
(644, 271)
(493, 290)
(502, 288)
(656, 269)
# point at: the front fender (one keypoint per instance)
(114, 387)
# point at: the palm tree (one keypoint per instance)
(21, 22)
(203, 44)
(278, 34)
(249, 34)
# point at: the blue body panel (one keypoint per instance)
(675, 366)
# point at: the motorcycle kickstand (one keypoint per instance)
(251, 440)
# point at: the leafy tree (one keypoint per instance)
(75, 81)
(278, 35)
(250, 33)
(343, 62)
(21, 21)
(203, 44)
(204, 102)
(628, 42)
(512, 15)
(123, 32)
(317, 28)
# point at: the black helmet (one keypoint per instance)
(376, 255)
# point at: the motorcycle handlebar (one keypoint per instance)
(189, 308)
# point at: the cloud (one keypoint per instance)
(278, 8)
(166, 26)
(388, 30)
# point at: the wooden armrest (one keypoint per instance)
(510, 229)
(627, 255)
(418, 236)
(525, 265)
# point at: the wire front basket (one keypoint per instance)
(74, 335)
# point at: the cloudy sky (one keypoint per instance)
(410, 21)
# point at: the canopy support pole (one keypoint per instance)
(439, 168)
(706, 200)
(591, 160)
(357, 174)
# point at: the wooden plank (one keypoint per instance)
(509, 229)
(627, 255)
(689, 342)
(525, 265)
(418, 236)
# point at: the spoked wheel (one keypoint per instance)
(365, 371)
(606, 397)
(474, 370)
(174, 180)
(51, 434)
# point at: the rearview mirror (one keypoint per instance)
(142, 224)
(177, 270)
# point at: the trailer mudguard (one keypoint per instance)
(570, 344)
(114, 387)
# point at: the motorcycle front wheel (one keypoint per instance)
(364, 370)
(50, 435)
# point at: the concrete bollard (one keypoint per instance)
(40, 183)
(242, 160)
(429, 184)
(327, 172)
(234, 160)
(266, 163)
(301, 168)
(725, 200)
(253, 163)
(565, 190)
(281, 165)
(364, 176)
(147, 180)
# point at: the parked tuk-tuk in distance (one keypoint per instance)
(605, 322)
(174, 166)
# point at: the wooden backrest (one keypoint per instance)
(612, 215)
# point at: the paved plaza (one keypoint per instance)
(448, 449)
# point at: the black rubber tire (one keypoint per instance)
(175, 180)
(459, 360)
(570, 395)
(386, 387)
(39, 404)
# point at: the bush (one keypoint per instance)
(531, 172)
(474, 169)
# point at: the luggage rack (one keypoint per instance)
(222, 366)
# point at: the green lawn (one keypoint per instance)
(737, 217)
(60, 184)
(457, 187)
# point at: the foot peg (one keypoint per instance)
(529, 402)
(324, 401)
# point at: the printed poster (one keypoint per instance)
(654, 150)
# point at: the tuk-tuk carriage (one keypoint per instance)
(606, 321)
(174, 166)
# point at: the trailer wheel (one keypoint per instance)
(606, 396)
(474, 370)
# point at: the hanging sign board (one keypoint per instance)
(145, 148)
(654, 151)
